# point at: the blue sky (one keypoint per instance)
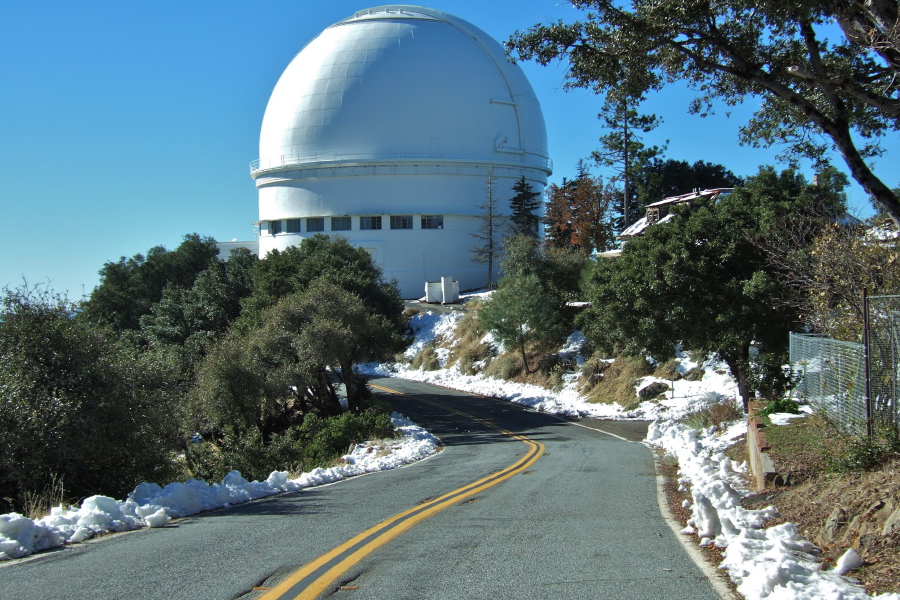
(127, 125)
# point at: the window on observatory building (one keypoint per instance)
(274, 227)
(370, 222)
(340, 224)
(401, 222)
(432, 221)
(293, 225)
(315, 224)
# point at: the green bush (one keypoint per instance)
(315, 443)
(863, 453)
(80, 408)
(781, 405)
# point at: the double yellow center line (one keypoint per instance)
(311, 580)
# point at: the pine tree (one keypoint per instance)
(623, 150)
(524, 206)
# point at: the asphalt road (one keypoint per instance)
(581, 522)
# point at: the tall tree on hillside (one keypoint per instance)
(521, 312)
(188, 319)
(822, 88)
(487, 240)
(622, 149)
(558, 228)
(524, 207)
(578, 213)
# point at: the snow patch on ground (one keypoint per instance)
(150, 505)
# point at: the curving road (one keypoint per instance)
(578, 518)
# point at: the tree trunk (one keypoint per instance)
(739, 365)
(524, 357)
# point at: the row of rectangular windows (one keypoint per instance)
(317, 224)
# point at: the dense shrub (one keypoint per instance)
(81, 408)
(317, 442)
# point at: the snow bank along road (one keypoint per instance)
(558, 512)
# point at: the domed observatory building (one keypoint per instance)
(385, 129)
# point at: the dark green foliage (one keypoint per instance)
(79, 405)
(781, 405)
(256, 390)
(521, 312)
(867, 453)
(559, 270)
(524, 207)
(326, 439)
(700, 281)
(315, 443)
(130, 287)
(820, 87)
(188, 319)
(335, 260)
(658, 179)
(270, 377)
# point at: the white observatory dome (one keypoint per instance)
(397, 112)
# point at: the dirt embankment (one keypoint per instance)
(837, 510)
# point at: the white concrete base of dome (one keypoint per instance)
(410, 256)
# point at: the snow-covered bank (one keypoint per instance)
(774, 563)
(150, 505)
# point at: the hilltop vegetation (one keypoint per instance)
(181, 364)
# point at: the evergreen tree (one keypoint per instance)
(130, 287)
(700, 280)
(658, 179)
(282, 273)
(521, 312)
(524, 206)
(623, 150)
(82, 409)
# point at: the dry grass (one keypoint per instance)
(668, 370)
(38, 504)
(466, 349)
(603, 382)
(426, 359)
(715, 415)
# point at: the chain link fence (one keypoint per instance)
(884, 354)
(831, 379)
(832, 373)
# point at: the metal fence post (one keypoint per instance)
(868, 374)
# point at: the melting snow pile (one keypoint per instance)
(150, 505)
(773, 563)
